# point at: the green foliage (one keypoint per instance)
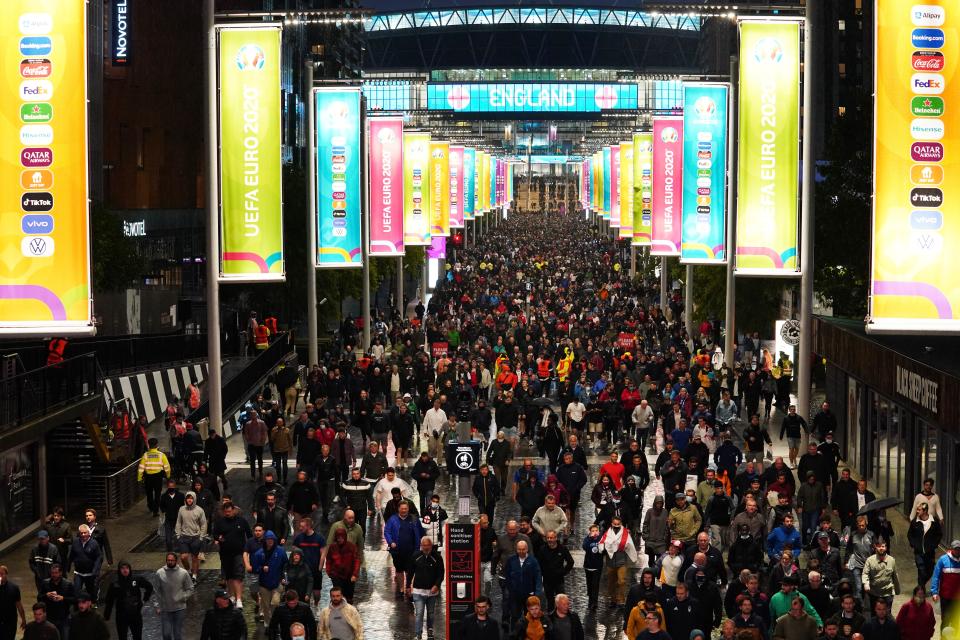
(116, 264)
(842, 252)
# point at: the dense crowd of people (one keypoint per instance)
(538, 343)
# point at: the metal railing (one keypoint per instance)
(109, 494)
(238, 389)
(34, 394)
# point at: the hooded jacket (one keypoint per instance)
(343, 560)
(299, 577)
(223, 624)
(128, 593)
(269, 563)
(191, 520)
(655, 532)
(174, 588)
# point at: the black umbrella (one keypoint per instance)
(878, 505)
(542, 402)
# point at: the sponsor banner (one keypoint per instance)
(338, 177)
(492, 191)
(667, 185)
(469, 182)
(626, 190)
(769, 148)
(456, 187)
(478, 184)
(45, 280)
(642, 189)
(704, 172)
(416, 191)
(386, 186)
(438, 247)
(526, 97)
(615, 186)
(251, 198)
(916, 152)
(483, 175)
(510, 168)
(585, 183)
(439, 188)
(607, 188)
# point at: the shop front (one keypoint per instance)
(898, 404)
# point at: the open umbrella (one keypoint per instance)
(878, 505)
(542, 402)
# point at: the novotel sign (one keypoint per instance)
(531, 97)
(120, 33)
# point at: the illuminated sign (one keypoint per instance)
(543, 97)
(120, 33)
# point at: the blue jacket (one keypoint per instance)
(523, 580)
(946, 578)
(593, 558)
(779, 538)
(405, 533)
(275, 561)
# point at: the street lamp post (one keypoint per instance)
(214, 382)
(313, 352)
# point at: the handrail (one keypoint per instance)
(36, 393)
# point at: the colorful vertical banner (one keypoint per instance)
(439, 188)
(667, 185)
(597, 182)
(437, 248)
(45, 274)
(607, 175)
(769, 148)
(469, 182)
(615, 186)
(586, 171)
(478, 164)
(338, 177)
(251, 199)
(492, 191)
(386, 186)
(626, 190)
(456, 187)
(416, 188)
(642, 189)
(916, 159)
(705, 107)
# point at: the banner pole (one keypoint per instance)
(400, 305)
(214, 396)
(664, 283)
(731, 302)
(365, 225)
(313, 350)
(807, 205)
(688, 301)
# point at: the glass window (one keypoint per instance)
(880, 418)
(930, 450)
(898, 456)
(853, 423)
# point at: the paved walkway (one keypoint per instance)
(385, 618)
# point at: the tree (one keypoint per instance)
(116, 264)
(842, 224)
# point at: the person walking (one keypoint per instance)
(924, 535)
(128, 593)
(268, 564)
(59, 596)
(86, 558)
(231, 532)
(292, 612)
(151, 471)
(340, 620)
(224, 621)
(916, 620)
(945, 583)
(87, 623)
(11, 608)
(281, 443)
(423, 585)
(174, 588)
(43, 555)
(255, 437)
(40, 628)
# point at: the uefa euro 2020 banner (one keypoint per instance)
(338, 177)
(386, 186)
(705, 107)
(469, 182)
(642, 189)
(667, 185)
(615, 186)
(45, 272)
(440, 188)
(456, 187)
(626, 190)
(769, 148)
(416, 188)
(914, 283)
(251, 222)
(607, 177)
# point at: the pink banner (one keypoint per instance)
(386, 187)
(456, 187)
(615, 186)
(584, 183)
(438, 247)
(501, 182)
(667, 185)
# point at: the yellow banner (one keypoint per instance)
(626, 191)
(45, 266)
(440, 187)
(914, 283)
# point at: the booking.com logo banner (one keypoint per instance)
(544, 97)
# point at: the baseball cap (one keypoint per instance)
(221, 593)
(680, 496)
(43, 533)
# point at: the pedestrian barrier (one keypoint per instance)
(40, 392)
(109, 493)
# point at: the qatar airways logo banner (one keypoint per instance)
(542, 97)
(386, 187)
(667, 185)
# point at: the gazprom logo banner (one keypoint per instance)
(525, 97)
(704, 173)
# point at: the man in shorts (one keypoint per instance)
(231, 533)
(793, 426)
(190, 530)
(314, 549)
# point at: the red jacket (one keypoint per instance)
(916, 622)
(630, 399)
(343, 561)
